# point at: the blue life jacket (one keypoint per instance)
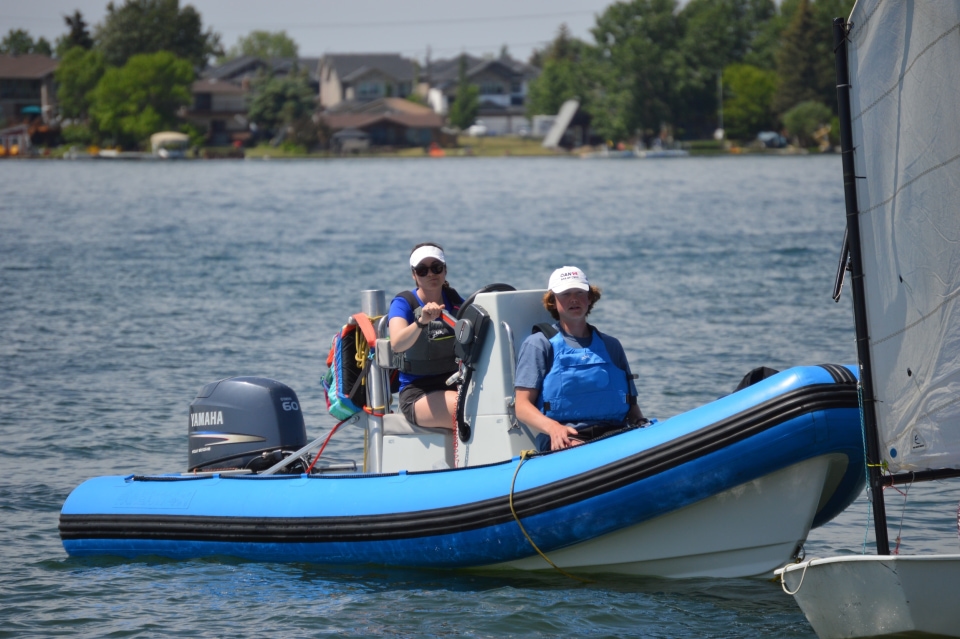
(583, 384)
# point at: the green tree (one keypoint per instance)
(132, 102)
(280, 101)
(716, 33)
(76, 36)
(77, 76)
(148, 26)
(565, 75)
(612, 104)
(19, 42)
(798, 63)
(747, 98)
(466, 105)
(264, 45)
(803, 120)
(766, 42)
(721, 32)
(824, 11)
(639, 67)
(42, 47)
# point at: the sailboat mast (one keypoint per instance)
(874, 479)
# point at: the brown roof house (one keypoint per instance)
(503, 90)
(394, 122)
(362, 77)
(27, 88)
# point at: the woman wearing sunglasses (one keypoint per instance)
(425, 342)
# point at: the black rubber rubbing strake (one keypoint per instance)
(840, 374)
(474, 515)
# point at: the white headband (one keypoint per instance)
(424, 252)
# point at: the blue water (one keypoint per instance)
(126, 286)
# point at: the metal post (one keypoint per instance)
(859, 300)
(372, 304)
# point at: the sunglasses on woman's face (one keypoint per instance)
(436, 268)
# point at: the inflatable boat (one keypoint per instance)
(729, 489)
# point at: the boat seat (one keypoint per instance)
(410, 447)
(397, 424)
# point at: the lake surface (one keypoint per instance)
(127, 286)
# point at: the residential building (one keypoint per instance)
(395, 122)
(362, 77)
(503, 84)
(27, 88)
(221, 95)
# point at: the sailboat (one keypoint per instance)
(898, 85)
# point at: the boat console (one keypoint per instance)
(493, 433)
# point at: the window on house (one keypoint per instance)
(403, 89)
(21, 89)
(491, 88)
(366, 90)
(202, 102)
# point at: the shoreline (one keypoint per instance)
(406, 154)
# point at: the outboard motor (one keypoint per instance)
(244, 422)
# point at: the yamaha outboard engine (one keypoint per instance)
(244, 422)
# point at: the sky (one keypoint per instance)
(446, 27)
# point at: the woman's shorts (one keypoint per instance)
(418, 388)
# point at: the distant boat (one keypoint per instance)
(609, 154)
(898, 86)
(169, 145)
(662, 153)
(657, 151)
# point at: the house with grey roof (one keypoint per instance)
(502, 82)
(222, 93)
(27, 88)
(365, 76)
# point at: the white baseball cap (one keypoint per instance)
(424, 252)
(566, 278)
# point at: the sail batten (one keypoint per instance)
(905, 74)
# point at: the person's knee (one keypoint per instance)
(451, 399)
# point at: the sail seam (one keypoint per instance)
(937, 409)
(911, 325)
(863, 24)
(899, 81)
(906, 184)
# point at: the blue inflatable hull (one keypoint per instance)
(462, 517)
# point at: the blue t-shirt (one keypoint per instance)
(399, 307)
(536, 359)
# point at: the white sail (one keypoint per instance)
(905, 103)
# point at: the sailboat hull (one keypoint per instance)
(878, 596)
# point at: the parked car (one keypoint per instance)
(771, 140)
(477, 130)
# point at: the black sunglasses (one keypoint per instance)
(436, 268)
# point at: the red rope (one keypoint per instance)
(896, 549)
(325, 442)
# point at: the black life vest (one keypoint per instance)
(433, 352)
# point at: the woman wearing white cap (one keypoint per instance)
(425, 342)
(575, 385)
